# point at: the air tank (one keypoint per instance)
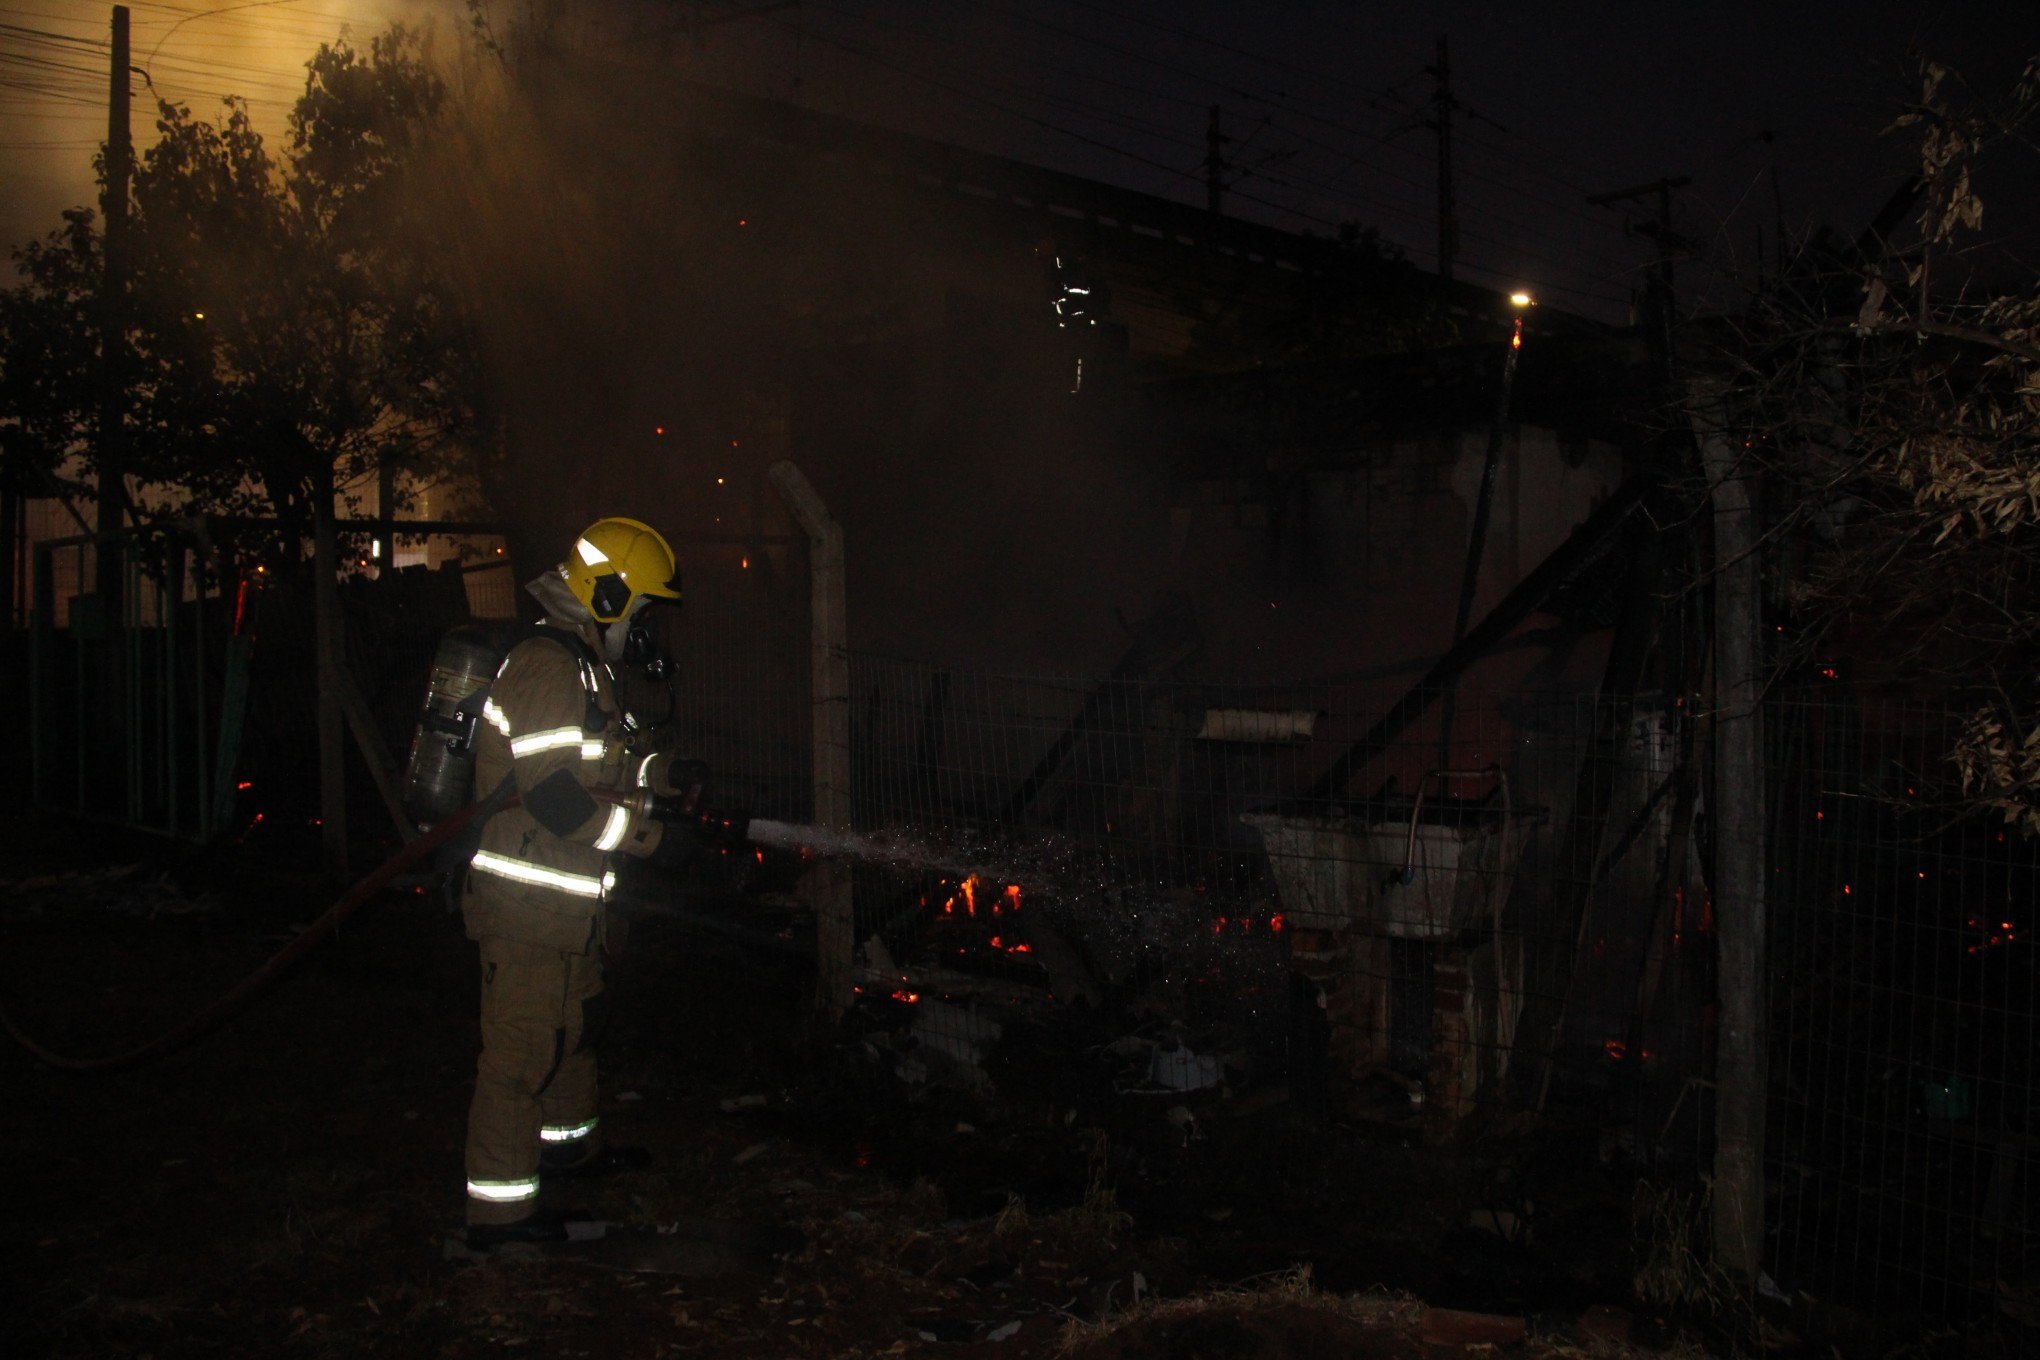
(439, 777)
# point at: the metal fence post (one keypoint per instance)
(829, 880)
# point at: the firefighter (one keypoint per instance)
(553, 730)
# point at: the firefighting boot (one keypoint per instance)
(572, 1164)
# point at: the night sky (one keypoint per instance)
(1324, 103)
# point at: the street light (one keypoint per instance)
(1476, 545)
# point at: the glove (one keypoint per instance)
(672, 776)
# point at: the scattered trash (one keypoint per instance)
(116, 891)
(1179, 1069)
(963, 1036)
(1004, 1333)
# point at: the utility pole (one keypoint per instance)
(1658, 293)
(112, 442)
(1440, 122)
(1215, 164)
(110, 749)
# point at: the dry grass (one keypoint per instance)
(1674, 1269)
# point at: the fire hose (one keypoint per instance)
(729, 825)
(246, 989)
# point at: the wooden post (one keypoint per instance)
(828, 882)
(1739, 905)
(375, 753)
(332, 749)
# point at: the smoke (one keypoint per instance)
(677, 285)
(188, 54)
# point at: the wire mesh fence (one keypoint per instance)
(1903, 1017)
(1176, 854)
(1183, 891)
(1466, 933)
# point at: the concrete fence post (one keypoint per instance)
(828, 881)
(1741, 1073)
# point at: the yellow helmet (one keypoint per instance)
(615, 563)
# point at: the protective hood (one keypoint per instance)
(554, 596)
(557, 598)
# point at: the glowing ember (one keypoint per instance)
(902, 994)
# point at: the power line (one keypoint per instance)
(976, 97)
(1367, 97)
(1043, 123)
(1302, 183)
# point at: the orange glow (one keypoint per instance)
(658, 429)
(745, 563)
(1022, 949)
(902, 994)
(1276, 922)
(969, 886)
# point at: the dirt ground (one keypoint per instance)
(284, 1186)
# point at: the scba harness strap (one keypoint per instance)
(477, 707)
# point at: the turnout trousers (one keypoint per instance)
(542, 1013)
